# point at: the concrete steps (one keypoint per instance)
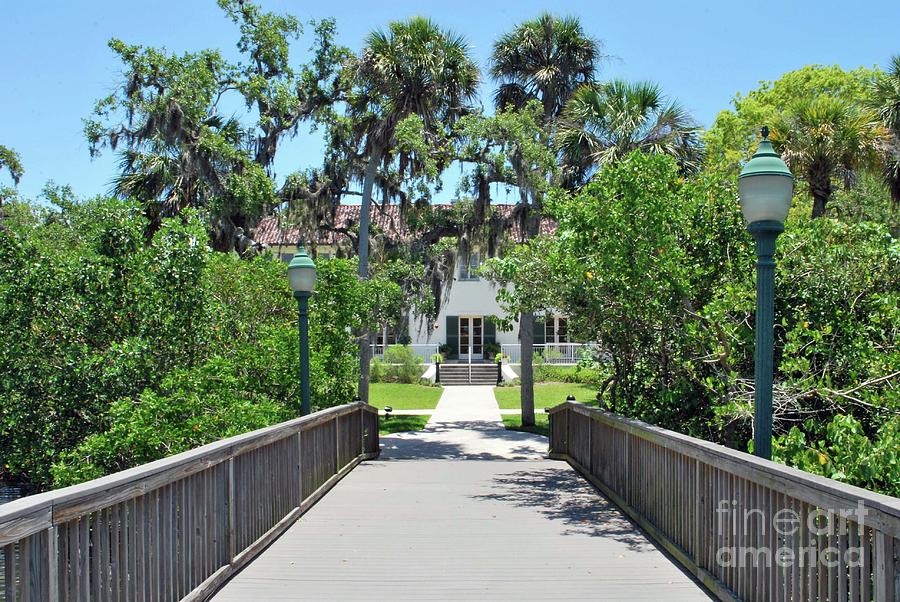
(458, 374)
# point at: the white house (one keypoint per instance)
(463, 322)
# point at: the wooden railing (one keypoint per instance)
(748, 528)
(177, 528)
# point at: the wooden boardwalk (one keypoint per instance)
(460, 510)
(464, 510)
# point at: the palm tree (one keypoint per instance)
(413, 68)
(886, 103)
(602, 123)
(544, 59)
(823, 137)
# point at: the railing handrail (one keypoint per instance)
(34, 513)
(793, 481)
(568, 353)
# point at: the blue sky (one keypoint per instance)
(56, 62)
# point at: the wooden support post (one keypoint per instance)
(337, 445)
(300, 465)
(590, 444)
(883, 561)
(231, 544)
(698, 511)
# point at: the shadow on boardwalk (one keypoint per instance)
(564, 496)
(464, 440)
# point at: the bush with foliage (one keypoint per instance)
(847, 452)
(550, 373)
(400, 364)
(491, 350)
(659, 271)
(118, 349)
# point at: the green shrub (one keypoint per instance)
(846, 453)
(107, 335)
(192, 407)
(568, 374)
(401, 365)
(658, 270)
(376, 373)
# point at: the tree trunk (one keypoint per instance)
(365, 356)
(819, 202)
(893, 182)
(894, 186)
(364, 212)
(526, 339)
(365, 365)
(820, 188)
(531, 227)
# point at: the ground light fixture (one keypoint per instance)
(765, 186)
(302, 278)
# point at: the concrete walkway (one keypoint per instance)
(463, 510)
(465, 425)
(504, 412)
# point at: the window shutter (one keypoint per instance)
(490, 331)
(453, 336)
(539, 332)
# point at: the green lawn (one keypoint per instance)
(546, 395)
(513, 422)
(403, 397)
(397, 424)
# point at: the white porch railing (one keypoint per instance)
(424, 351)
(553, 353)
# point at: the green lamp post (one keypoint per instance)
(302, 276)
(765, 186)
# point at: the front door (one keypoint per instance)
(471, 334)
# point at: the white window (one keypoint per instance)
(468, 266)
(556, 330)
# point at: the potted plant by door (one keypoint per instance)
(491, 350)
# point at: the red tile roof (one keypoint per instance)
(270, 232)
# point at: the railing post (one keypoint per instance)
(52, 565)
(626, 490)
(229, 534)
(362, 431)
(300, 465)
(883, 564)
(337, 445)
(698, 510)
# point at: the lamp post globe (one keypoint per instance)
(302, 272)
(765, 186)
(302, 278)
